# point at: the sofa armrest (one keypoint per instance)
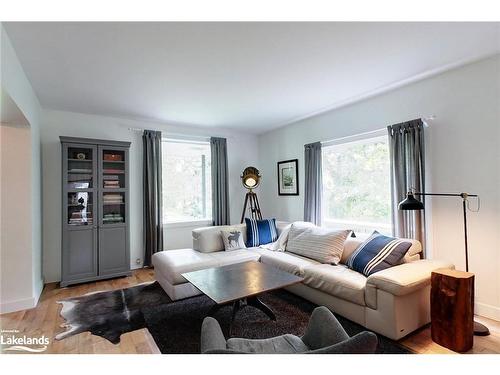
(403, 279)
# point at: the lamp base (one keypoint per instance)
(480, 329)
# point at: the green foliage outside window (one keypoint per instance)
(357, 182)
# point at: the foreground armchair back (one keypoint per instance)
(324, 335)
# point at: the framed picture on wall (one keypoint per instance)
(288, 177)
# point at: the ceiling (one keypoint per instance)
(246, 76)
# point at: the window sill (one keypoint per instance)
(186, 224)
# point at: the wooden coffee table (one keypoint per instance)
(240, 284)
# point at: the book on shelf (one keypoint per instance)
(80, 170)
(79, 185)
(113, 170)
(111, 184)
(112, 218)
(79, 177)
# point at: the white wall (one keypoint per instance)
(15, 83)
(57, 123)
(463, 152)
(16, 276)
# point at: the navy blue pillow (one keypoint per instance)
(378, 253)
(260, 232)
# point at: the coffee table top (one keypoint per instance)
(236, 281)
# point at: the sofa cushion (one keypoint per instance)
(322, 244)
(172, 263)
(378, 253)
(338, 281)
(261, 232)
(287, 262)
(225, 258)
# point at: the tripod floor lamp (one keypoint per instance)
(411, 203)
(250, 179)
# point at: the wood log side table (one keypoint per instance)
(452, 309)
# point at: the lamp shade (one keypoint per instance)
(250, 178)
(410, 203)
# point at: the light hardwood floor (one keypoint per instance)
(45, 320)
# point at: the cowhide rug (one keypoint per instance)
(111, 313)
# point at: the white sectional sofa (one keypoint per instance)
(393, 302)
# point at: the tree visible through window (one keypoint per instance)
(187, 188)
(356, 185)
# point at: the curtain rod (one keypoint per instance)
(424, 120)
(170, 134)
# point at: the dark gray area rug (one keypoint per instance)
(175, 326)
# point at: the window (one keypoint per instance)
(187, 188)
(356, 185)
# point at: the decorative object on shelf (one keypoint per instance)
(81, 206)
(250, 178)
(113, 157)
(411, 203)
(288, 177)
(452, 309)
(81, 156)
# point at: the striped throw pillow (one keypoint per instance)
(321, 244)
(261, 232)
(378, 253)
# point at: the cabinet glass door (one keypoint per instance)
(113, 208)
(80, 206)
(80, 168)
(113, 169)
(113, 185)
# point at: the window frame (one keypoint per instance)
(367, 137)
(194, 140)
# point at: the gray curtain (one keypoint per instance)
(153, 228)
(407, 152)
(220, 181)
(313, 183)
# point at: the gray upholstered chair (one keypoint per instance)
(324, 335)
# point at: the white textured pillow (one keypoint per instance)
(321, 244)
(233, 239)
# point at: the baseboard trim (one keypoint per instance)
(17, 305)
(488, 311)
(38, 293)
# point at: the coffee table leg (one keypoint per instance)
(236, 308)
(214, 309)
(258, 304)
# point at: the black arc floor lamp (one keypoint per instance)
(411, 203)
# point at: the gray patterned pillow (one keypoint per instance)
(321, 244)
(233, 239)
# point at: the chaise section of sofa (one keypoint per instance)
(393, 302)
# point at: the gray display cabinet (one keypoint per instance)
(95, 210)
